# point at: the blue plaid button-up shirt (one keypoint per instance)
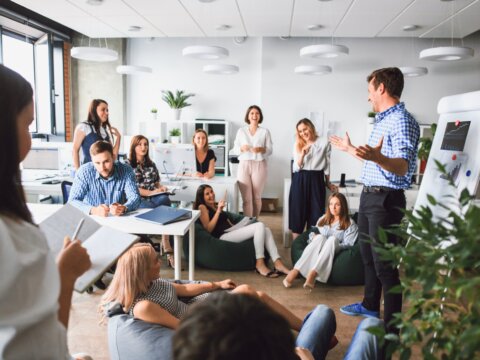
(401, 134)
(89, 189)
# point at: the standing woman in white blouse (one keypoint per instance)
(254, 144)
(311, 169)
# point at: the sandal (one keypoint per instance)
(270, 274)
(280, 272)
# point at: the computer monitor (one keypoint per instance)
(175, 159)
(42, 159)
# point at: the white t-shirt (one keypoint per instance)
(87, 129)
(261, 138)
(317, 158)
(29, 291)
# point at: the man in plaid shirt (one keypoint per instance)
(389, 163)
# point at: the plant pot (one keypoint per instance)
(177, 114)
(423, 165)
(175, 139)
(154, 116)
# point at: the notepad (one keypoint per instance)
(104, 244)
(165, 215)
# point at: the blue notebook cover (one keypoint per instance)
(164, 215)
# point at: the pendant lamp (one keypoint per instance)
(446, 53)
(221, 69)
(133, 69)
(205, 52)
(323, 51)
(313, 69)
(413, 71)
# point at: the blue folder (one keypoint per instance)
(164, 215)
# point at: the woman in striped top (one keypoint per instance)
(143, 294)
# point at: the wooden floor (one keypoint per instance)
(86, 335)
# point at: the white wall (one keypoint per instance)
(266, 78)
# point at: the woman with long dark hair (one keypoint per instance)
(311, 168)
(97, 127)
(215, 221)
(204, 156)
(254, 144)
(35, 294)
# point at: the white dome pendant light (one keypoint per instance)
(205, 52)
(313, 70)
(221, 69)
(413, 71)
(447, 53)
(93, 53)
(323, 51)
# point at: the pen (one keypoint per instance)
(77, 230)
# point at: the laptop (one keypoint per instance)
(165, 215)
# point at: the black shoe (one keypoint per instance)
(100, 284)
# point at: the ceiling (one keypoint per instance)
(284, 18)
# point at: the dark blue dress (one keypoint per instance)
(89, 140)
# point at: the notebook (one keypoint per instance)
(165, 215)
(104, 244)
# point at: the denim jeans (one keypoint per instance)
(317, 330)
(364, 346)
(154, 201)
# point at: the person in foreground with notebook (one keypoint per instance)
(35, 293)
(138, 287)
(104, 187)
(148, 181)
(215, 221)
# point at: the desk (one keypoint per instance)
(219, 184)
(130, 224)
(351, 192)
(32, 182)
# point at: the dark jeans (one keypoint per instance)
(379, 210)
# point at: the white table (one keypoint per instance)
(219, 184)
(130, 224)
(32, 182)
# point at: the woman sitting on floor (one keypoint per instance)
(148, 181)
(143, 294)
(215, 221)
(337, 231)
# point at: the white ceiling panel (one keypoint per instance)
(465, 22)
(313, 12)
(213, 14)
(168, 16)
(366, 18)
(194, 18)
(438, 11)
(266, 17)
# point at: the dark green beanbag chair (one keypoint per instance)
(216, 254)
(347, 265)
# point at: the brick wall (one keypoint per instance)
(67, 91)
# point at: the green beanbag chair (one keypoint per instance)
(347, 265)
(216, 254)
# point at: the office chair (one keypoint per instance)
(66, 186)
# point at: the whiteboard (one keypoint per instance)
(457, 145)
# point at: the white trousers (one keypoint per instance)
(318, 256)
(262, 238)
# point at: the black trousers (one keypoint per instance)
(377, 210)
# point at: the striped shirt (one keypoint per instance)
(90, 189)
(401, 134)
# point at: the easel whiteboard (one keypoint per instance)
(457, 145)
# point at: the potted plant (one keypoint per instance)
(424, 147)
(439, 262)
(176, 101)
(175, 136)
(371, 117)
(154, 112)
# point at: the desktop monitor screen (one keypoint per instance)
(44, 159)
(175, 159)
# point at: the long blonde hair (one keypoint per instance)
(132, 276)
(299, 142)
(328, 219)
(206, 137)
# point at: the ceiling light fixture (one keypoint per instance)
(133, 69)
(221, 69)
(410, 27)
(314, 27)
(205, 52)
(90, 53)
(413, 71)
(447, 53)
(323, 51)
(313, 69)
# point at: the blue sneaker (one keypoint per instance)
(358, 309)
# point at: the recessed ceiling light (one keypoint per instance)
(223, 27)
(410, 27)
(94, 2)
(134, 28)
(314, 27)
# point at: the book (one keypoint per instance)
(165, 215)
(104, 244)
(242, 223)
